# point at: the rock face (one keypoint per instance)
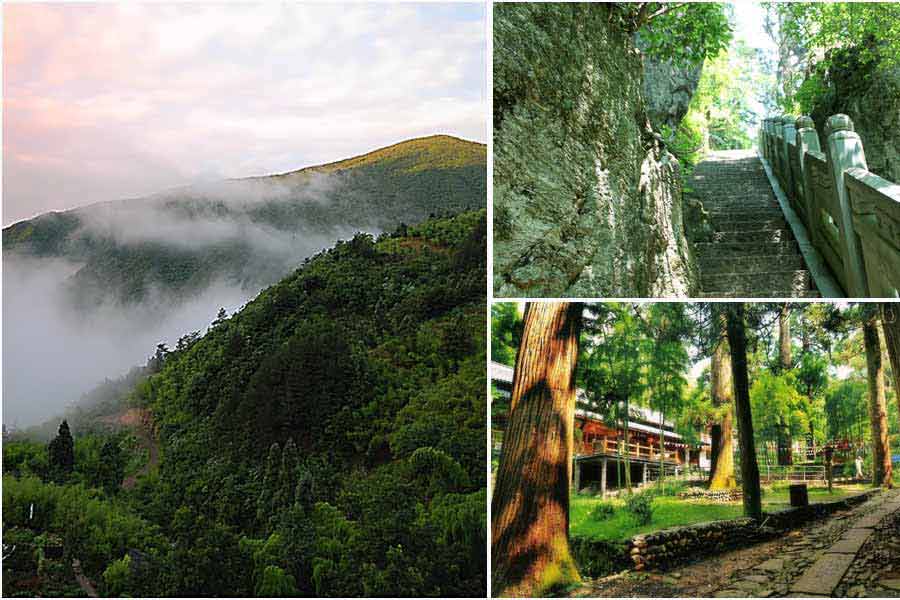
(668, 89)
(587, 201)
(870, 96)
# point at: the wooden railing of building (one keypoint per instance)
(851, 214)
(635, 450)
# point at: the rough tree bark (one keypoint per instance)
(530, 506)
(784, 338)
(721, 476)
(784, 360)
(737, 342)
(881, 451)
(890, 323)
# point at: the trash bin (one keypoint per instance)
(799, 495)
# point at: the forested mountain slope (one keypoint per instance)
(248, 231)
(328, 439)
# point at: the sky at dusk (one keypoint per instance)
(102, 102)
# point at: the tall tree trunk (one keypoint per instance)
(737, 342)
(715, 433)
(530, 506)
(785, 363)
(627, 449)
(890, 323)
(662, 447)
(784, 442)
(881, 459)
(784, 331)
(721, 475)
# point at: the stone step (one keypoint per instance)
(741, 249)
(715, 265)
(760, 294)
(729, 189)
(740, 205)
(756, 236)
(752, 252)
(750, 224)
(744, 214)
(798, 279)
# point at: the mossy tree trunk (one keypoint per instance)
(530, 506)
(737, 342)
(881, 452)
(721, 476)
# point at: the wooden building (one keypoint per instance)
(600, 446)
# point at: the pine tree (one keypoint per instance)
(62, 453)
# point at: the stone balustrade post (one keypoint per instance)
(771, 138)
(845, 151)
(807, 140)
(776, 147)
(788, 135)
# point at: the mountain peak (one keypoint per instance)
(438, 151)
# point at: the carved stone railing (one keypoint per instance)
(852, 216)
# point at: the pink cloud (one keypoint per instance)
(108, 101)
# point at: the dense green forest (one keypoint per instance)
(249, 231)
(820, 396)
(328, 439)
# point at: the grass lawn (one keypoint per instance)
(669, 511)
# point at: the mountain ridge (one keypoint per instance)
(249, 231)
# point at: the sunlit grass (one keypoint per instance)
(669, 511)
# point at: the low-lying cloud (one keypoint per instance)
(212, 214)
(52, 354)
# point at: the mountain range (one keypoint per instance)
(248, 232)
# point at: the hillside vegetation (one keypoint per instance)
(327, 440)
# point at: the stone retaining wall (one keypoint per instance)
(678, 545)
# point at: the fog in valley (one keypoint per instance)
(54, 352)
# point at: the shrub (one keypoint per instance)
(641, 506)
(116, 576)
(602, 511)
(597, 558)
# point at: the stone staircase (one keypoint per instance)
(752, 252)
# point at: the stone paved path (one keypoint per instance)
(841, 557)
(875, 571)
(752, 251)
